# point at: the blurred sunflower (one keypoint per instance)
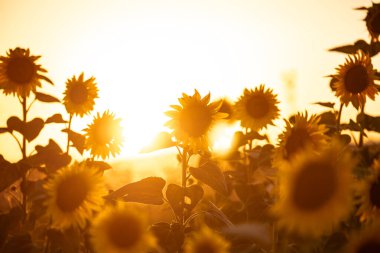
(104, 136)
(355, 80)
(373, 21)
(80, 95)
(192, 120)
(367, 241)
(369, 195)
(256, 108)
(206, 241)
(315, 191)
(121, 229)
(299, 134)
(19, 74)
(75, 192)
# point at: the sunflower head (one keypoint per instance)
(206, 241)
(299, 134)
(366, 241)
(19, 74)
(372, 21)
(80, 95)
(355, 80)
(104, 136)
(192, 120)
(256, 108)
(75, 192)
(369, 194)
(121, 229)
(315, 191)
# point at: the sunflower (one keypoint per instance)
(369, 195)
(256, 108)
(206, 241)
(104, 136)
(80, 95)
(19, 74)
(121, 229)
(301, 133)
(355, 80)
(315, 192)
(367, 241)
(75, 192)
(373, 21)
(192, 120)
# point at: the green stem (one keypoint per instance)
(184, 179)
(68, 134)
(361, 131)
(339, 117)
(24, 119)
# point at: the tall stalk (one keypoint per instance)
(24, 120)
(339, 117)
(184, 179)
(68, 134)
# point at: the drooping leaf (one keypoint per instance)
(99, 165)
(352, 49)
(78, 140)
(210, 174)
(352, 125)
(175, 195)
(51, 156)
(56, 118)
(45, 79)
(29, 129)
(4, 130)
(11, 172)
(161, 141)
(368, 122)
(325, 104)
(46, 98)
(147, 191)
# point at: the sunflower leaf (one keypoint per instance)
(46, 98)
(46, 79)
(325, 104)
(56, 118)
(161, 141)
(368, 122)
(210, 174)
(176, 196)
(30, 130)
(146, 191)
(77, 139)
(352, 49)
(10, 172)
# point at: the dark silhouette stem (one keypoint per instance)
(68, 134)
(339, 117)
(184, 179)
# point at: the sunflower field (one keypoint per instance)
(317, 189)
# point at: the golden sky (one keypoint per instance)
(145, 53)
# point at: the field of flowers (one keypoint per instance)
(316, 190)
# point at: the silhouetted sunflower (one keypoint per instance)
(75, 192)
(80, 95)
(104, 136)
(355, 80)
(367, 241)
(19, 74)
(369, 195)
(315, 191)
(373, 21)
(206, 241)
(299, 134)
(257, 108)
(121, 229)
(192, 120)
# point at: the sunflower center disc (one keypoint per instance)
(205, 247)
(124, 231)
(314, 186)
(71, 193)
(374, 194)
(356, 79)
(195, 120)
(370, 247)
(20, 70)
(257, 106)
(78, 94)
(297, 140)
